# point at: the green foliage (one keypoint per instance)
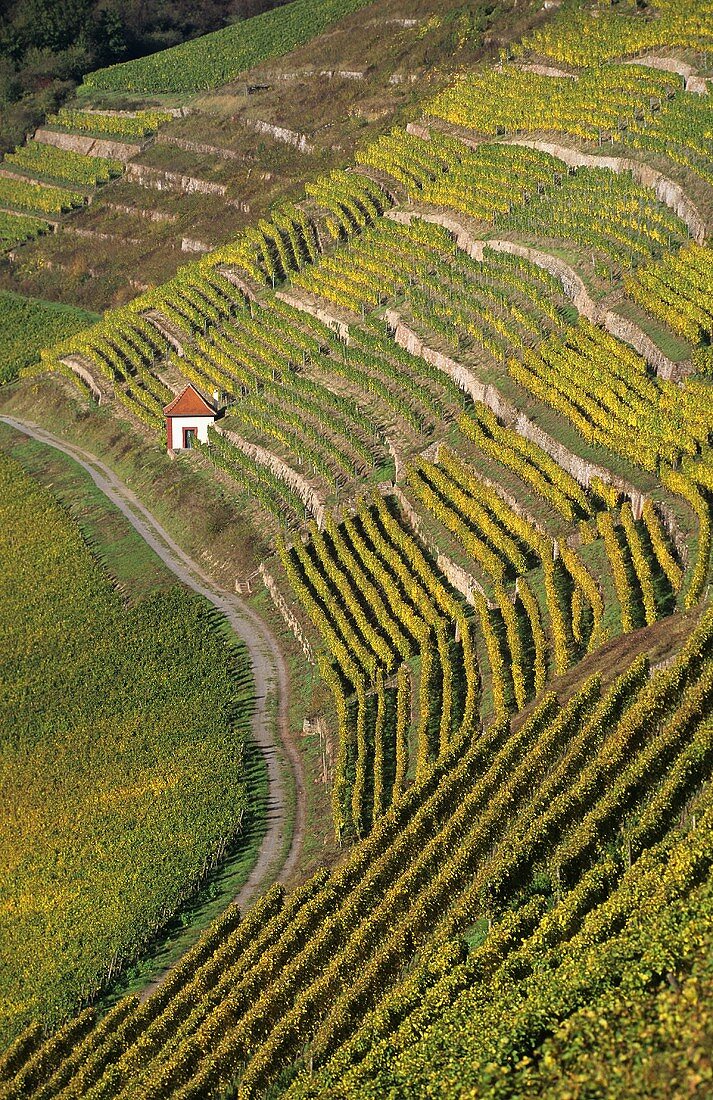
(27, 325)
(24, 194)
(222, 56)
(127, 126)
(16, 228)
(121, 759)
(579, 36)
(64, 164)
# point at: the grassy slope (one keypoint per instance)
(115, 751)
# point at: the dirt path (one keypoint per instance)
(268, 666)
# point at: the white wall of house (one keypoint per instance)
(178, 423)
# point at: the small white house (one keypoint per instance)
(188, 418)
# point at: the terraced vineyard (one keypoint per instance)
(46, 177)
(466, 386)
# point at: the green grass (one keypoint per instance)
(123, 753)
(28, 324)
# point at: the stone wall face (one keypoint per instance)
(96, 235)
(337, 325)
(162, 325)
(90, 146)
(199, 147)
(190, 244)
(99, 389)
(236, 279)
(291, 621)
(281, 133)
(160, 180)
(142, 212)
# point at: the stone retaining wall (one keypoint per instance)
(189, 244)
(338, 326)
(142, 212)
(544, 70)
(80, 366)
(281, 133)
(237, 280)
(90, 146)
(667, 190)
(161, 180)
(200, 147)
(281, 606)
(94, 234)
(693, 83)
(294, 481)
(165, 328)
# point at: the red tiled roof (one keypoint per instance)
(189, 403)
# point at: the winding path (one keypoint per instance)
(268, 665)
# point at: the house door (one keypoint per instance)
(190, 436)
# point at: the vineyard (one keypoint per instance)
(28, 325)
(463, 390)
(40, 180)
(222, 56)
(141, 736)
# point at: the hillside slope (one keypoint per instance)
(215, 165)
(465, 394)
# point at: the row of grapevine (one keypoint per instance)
(573, 966)
(122, 127)
(482, 182)
(528, 461)
(602, 386)
(21, 194)
(498, 872)
(600, 102)
(257, 480)
(500, 543)
(282, 245)
(352, 201)
(458, 845)
(503, 304)
(369, 591)
(643, 108)
(16, 228)
(580, 36)
(602, 212)
(698, 499)
(45, 179)
(678, 290)
(63, 165)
